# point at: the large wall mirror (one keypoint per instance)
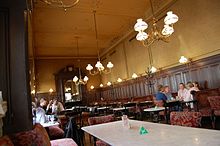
(67, 90)
(71, 91)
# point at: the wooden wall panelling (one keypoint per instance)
(215, 75)
(204, 70)
(203, 76)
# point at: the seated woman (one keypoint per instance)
(160, 95)
(55, 106)
(39, 114)
(43, 103)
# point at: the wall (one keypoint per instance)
(46, 68)
(206, 71)
(196, 36)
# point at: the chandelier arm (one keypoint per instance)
(93, 73)
(61, 4)
(106, 71)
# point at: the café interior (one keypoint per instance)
(109, 73)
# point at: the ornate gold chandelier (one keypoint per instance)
(65, 4)
(79, 80)
(100, 68)
(155, 33)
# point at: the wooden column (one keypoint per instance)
(14, 76)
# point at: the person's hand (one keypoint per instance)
(50, 102)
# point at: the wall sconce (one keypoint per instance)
(109, 83)
(134, 76)
(50, 90)
(33, 91)
(101, 85)
(92, 87)
(183, 60)
(119, 80)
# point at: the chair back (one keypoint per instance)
(100, 119)
(214, 102)
(188, 119)
(38, 136)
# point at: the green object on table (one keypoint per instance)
(142, 130)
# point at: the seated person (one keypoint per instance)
(182, 92)
(55, 106)
(196, 86)
(189, 96)
(39, 114)
(160, 95)
(43, 103)
(167, 93)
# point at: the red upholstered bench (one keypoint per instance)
(38, 136)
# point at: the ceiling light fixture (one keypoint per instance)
(79, 80)
(101, 85)
(65, 4)
(155, 33)
(100, 68)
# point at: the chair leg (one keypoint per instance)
(213, 124)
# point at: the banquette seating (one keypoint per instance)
(36, 137)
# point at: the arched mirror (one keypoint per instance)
(71, 91)
(67, 90)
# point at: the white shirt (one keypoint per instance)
(40, 115)
(182, 93)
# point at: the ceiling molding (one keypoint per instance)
(63, 57)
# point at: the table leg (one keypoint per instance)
(94, 140)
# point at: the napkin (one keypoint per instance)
(142, 130)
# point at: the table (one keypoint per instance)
(48, 124)
(102, 110)
(154, 113)
(115, 134)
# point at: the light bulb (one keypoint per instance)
(109, 83)
(119, 80)
(110, 65)
(92, 87)
(141, 36)
(134, 76)
(75, 79)
(183, 60)
(85, 79)
(153, 69)
(140, 25)
(170, 18)
(89, 67)
(50, 90)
